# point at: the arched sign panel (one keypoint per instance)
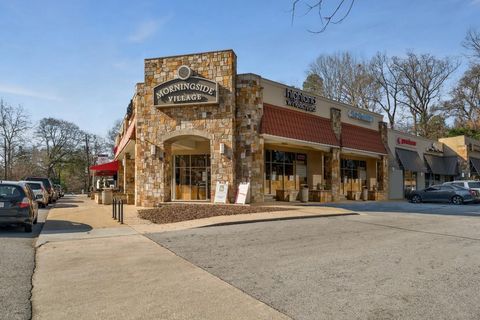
(185, 90)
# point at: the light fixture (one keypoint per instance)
(153, 149)
(222, 148)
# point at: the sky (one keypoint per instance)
(80, 60)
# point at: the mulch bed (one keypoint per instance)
(169, 213)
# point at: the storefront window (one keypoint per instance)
(284, 170)
(192, 177)
(410, 181)
(432, 179)
(353, 175)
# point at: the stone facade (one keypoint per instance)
(228, 131)
(159, 127)
(250, 145)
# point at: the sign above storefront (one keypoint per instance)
(185, 90)
(300, 100)
(360, 116)
(406, 141)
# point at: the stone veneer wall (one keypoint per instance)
(334, 170)
(383, 182)
(250, 147)
(157, 126)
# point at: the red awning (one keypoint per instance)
(130, 134)
(106, 169)
(282, 122)
(360, 138)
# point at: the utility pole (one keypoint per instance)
(87, 152)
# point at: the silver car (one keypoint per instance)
(468, 184)
(39, 191)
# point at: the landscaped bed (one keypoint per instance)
(169, 213)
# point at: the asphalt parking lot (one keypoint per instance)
(17, 262)
(381, 264)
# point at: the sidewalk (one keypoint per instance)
(90, 267)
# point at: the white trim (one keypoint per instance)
(297, 141)
(363, 152)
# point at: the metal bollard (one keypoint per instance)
(121, 211)
(114, 208)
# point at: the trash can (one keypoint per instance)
(365, 194)
(107, 195)
(304, 194)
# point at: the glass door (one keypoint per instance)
(192, 177)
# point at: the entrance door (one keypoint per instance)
(191, 177)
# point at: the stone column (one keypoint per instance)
(129, 178)
(383, 168)
(335, 173)
(336, 120)
(166, 164)
(120, 175)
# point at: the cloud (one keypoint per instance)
(16, 90)
(147, 29)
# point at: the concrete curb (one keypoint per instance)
(279, 219)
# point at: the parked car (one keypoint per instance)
(468, 184)
(39, 191)
(17, 204)
(443, 193)
(47, 183)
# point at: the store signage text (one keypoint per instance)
(185, 90)
(300, 100)
(360, 116)
(406, 141)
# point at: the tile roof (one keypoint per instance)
(360, 138)
(298, 125)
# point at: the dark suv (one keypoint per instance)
(17, 204)
(47, 184)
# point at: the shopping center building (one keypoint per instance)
(417, 162)
(194, 122)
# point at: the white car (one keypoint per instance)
(39, 191)
(469, 184)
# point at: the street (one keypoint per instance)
(17, 262)
(385, 265)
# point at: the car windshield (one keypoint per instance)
(9, 192)
(35, 186)
(475, 185)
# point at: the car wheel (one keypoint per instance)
(28, 227)
(457, 200)
(416, 199)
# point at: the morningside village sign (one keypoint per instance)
(186, 89)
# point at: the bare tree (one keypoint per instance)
(313, 84)
(338, 11)
(465, 102)
(346, 79)
(388, 78)
(59, 139)
(112, 135)
(423, 77)
(472, 42)
(14, 124)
